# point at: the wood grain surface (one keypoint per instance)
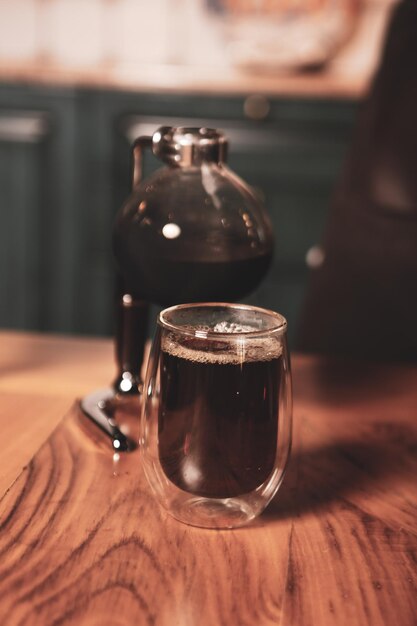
(83, 542)
(54, 365)
(40, 375)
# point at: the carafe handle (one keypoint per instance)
(137, 161)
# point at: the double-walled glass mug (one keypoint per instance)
(215, 431)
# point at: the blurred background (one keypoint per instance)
(81, 79)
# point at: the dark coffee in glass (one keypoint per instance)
(218, 415)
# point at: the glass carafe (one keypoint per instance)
(192, 231)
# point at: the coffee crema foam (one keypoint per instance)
(219, 352)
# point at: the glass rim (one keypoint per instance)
(280, 327)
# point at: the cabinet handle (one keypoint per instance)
(28, 127)
(315, 257)
(256, 107)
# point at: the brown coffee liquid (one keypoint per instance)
(218, 418)
(169, 280)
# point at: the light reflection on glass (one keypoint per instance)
(171, 231)
(126, 383)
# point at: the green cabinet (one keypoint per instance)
(61, 187)
(38, 209)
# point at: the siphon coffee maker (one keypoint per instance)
(192, 231)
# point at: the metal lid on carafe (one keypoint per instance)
(184, 146)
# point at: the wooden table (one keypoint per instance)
(83, 542)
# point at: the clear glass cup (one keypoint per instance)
(215, 432)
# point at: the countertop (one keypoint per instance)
(83, 542)
(346, 76)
